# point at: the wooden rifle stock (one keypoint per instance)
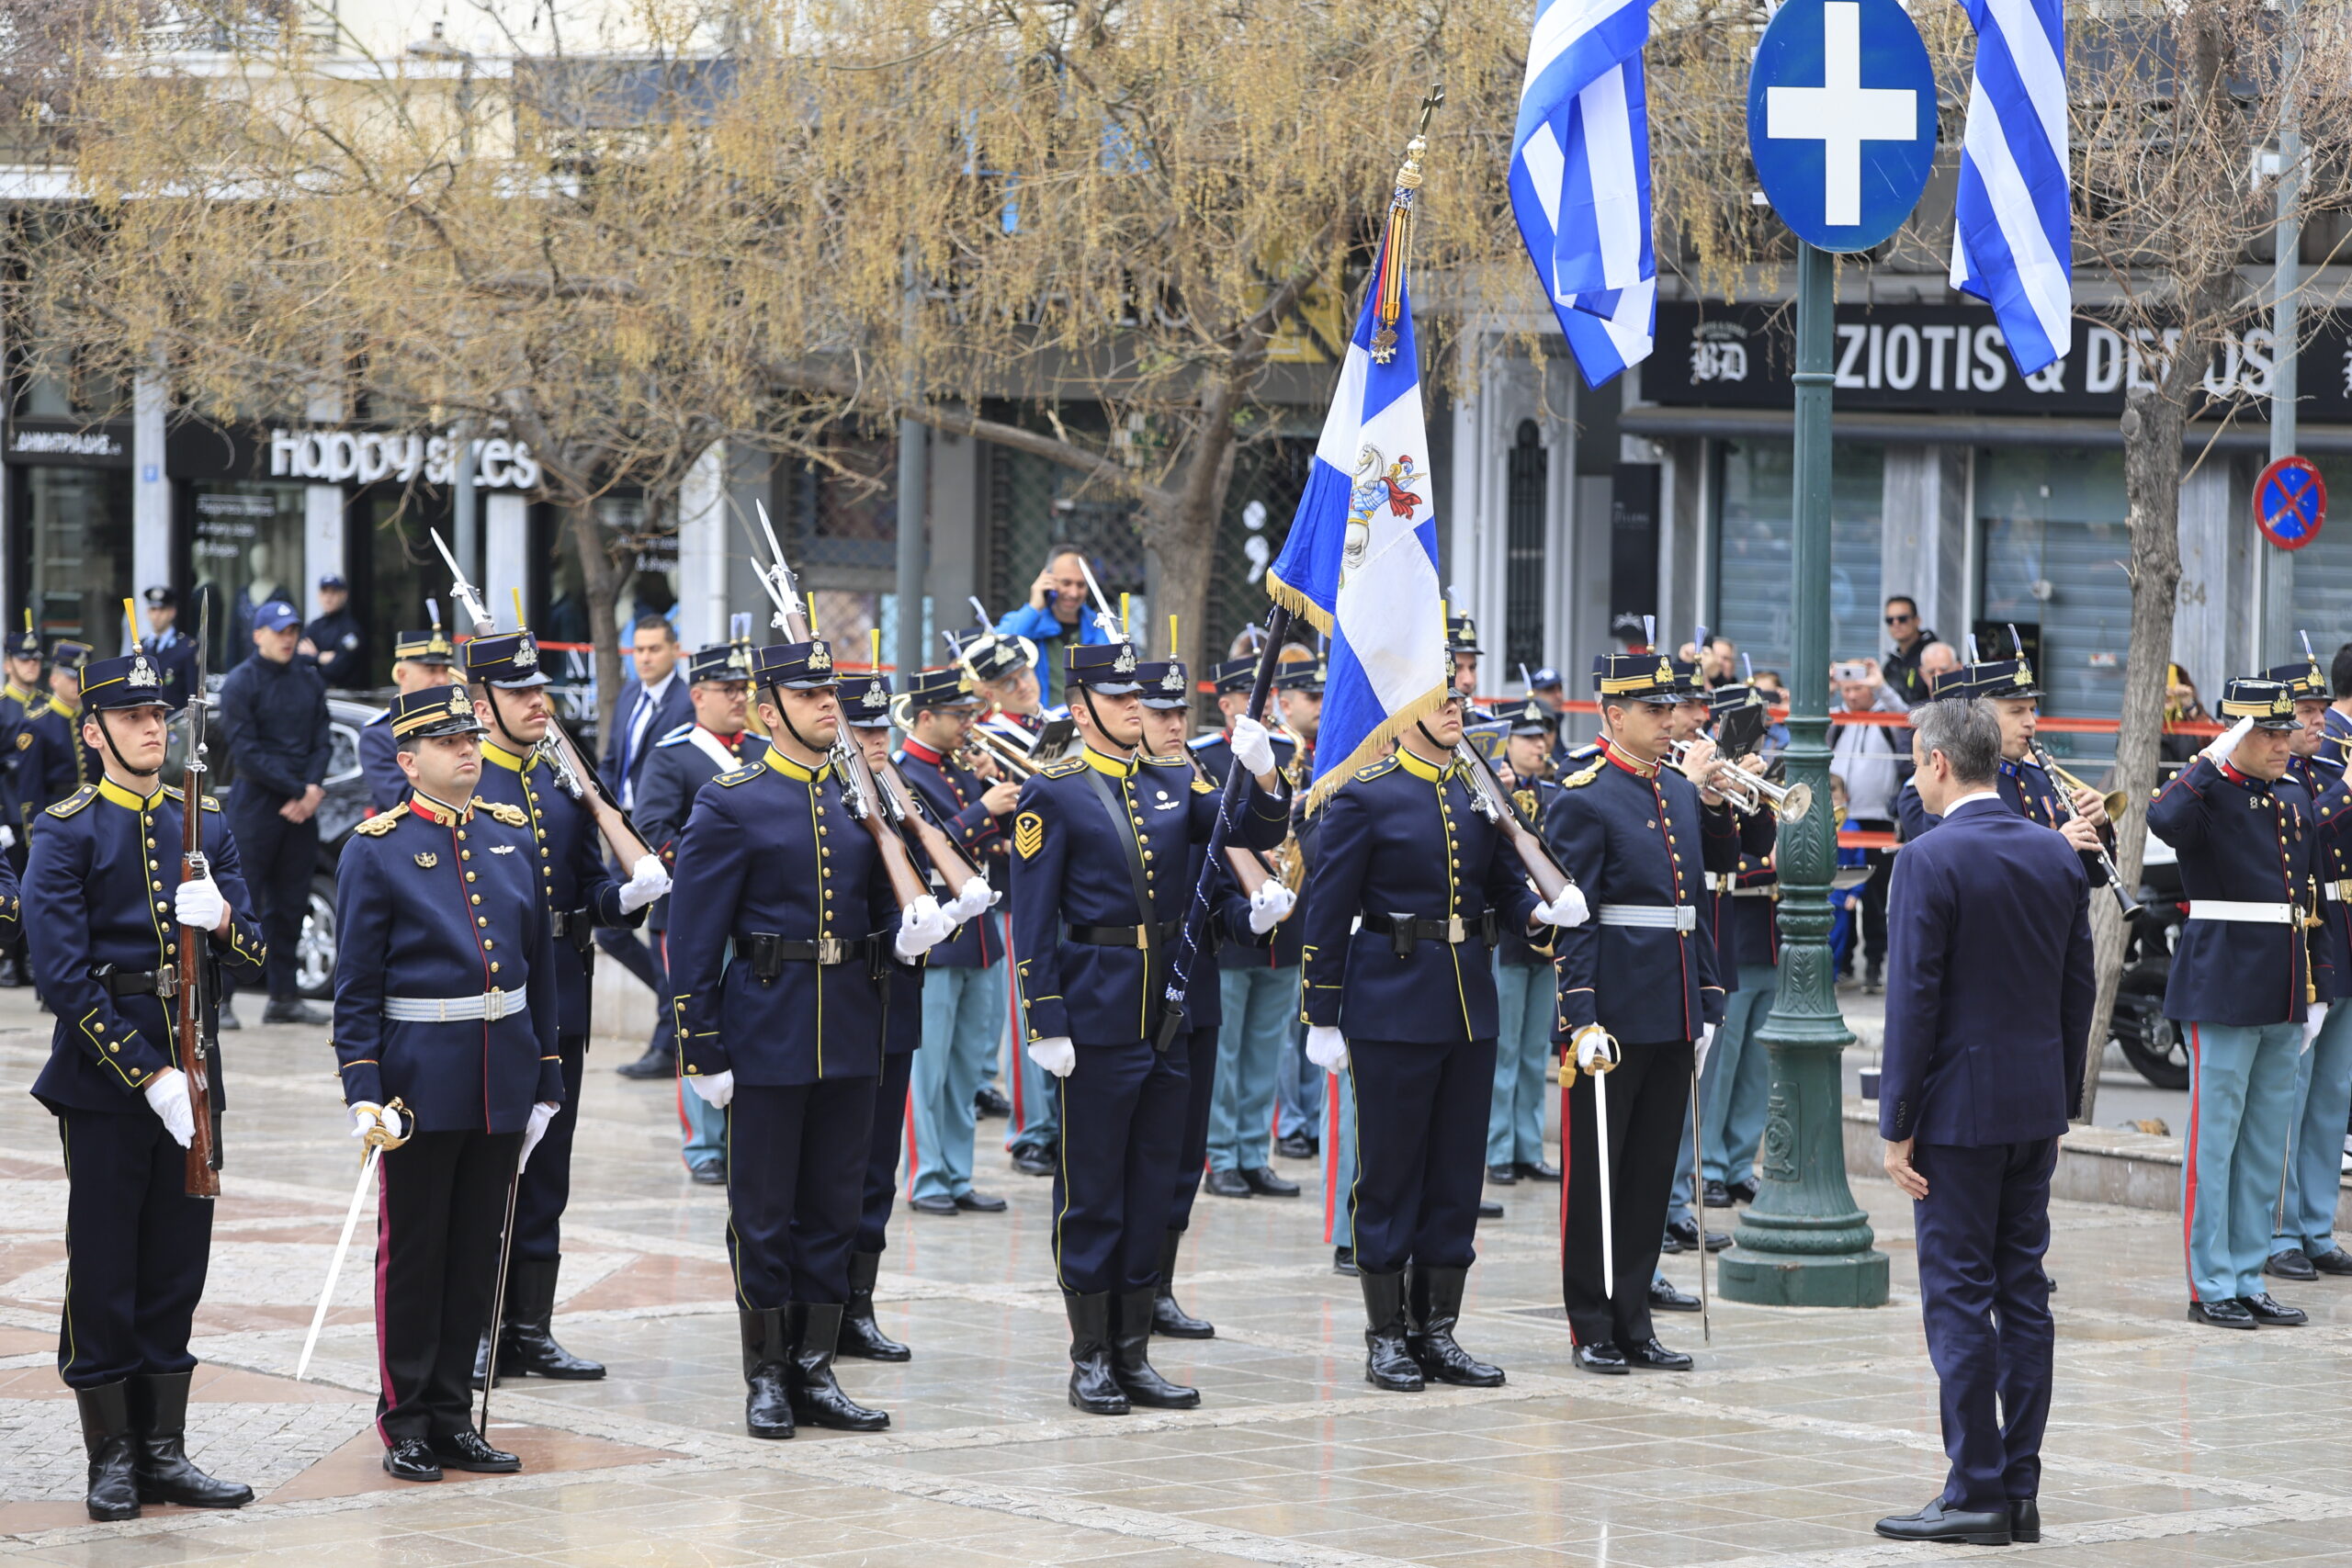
(1550, 879)
(942, 851)
(190, 1047)
(628, 846)
(866, 805)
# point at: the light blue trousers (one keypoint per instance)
(1527, 997)
(1338, 1157)
(2315, 1150)
(702, 1129)
(1298, 1089)
(2241, 1100)
(1035, 1121)
(963, 1015)
(1259, 1002)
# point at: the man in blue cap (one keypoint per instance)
(336, 641)
(274, 721)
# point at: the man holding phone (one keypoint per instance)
(1056, 617)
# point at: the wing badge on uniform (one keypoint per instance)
(427, 859)
(1028, 834)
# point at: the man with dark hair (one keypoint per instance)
(1056, 617)
(420, 658)
(336, 641)
(274, 718)
(653, 702)
(1901, 666)
(1979, 1080)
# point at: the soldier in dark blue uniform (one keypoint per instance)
(1638, 990)
(1100, 847)
(1736, 1084)
(782, 930)
(508, 687)
(104, 907)
(336, 642)
(1234, 920)
(419, 660)
(1410, 890)
(445, 1002)
(677, 764)
(22, 780)
(68, 761)
(2240, 980)
(1523, 980)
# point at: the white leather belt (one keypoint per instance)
(2336, 892)
(1761, 890)
(1656, 916)
(490, 1005)
(2249, 914)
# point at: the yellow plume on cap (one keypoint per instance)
(1172, 651)
(518, 610)
(131, 612)
(874, 636)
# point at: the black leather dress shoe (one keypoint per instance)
(1606, 1358)
(932, 1204)
(1716, 1195)
(1298, 1145)
(709, 1173)
(1503, 1175)
(653, 1066)
(1935, 1522)
(980, 1202)
(1682, 1235)
(989, 1100)
(292, 1010)
(2334, 1260)
(2025, 1520)
(1266, 1184)
(1489, 1210)
(465, 1450)
(411, 1459)
(2271, 1313)
(1343, 1260)
(1031, 1160)
(1741, 1191)
(2224, 1313)
(2290, 1265)
(1664, 1297)
(1654, 1357)
(1539, 1170)
(1225, 1184)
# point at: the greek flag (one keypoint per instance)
(1361, 559)
(1580, 178)
(2013, 240)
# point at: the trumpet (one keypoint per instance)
(1748, 792)
(1015, 762)
(2067, 784)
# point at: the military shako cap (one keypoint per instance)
(429, 647)
(1530, 717)
(1165, 683)
(433, 710)
(1722, 699)
(2270, 704)
(132, 682)
(1300, 675)
(1461, 635)
(994, 657)
(719, 661)
(1107, 668)
(1635, 677)
(67, 654)
(1233, 674)
(1686, 680)
(865, 700)
(2003, 679)
(947, 687)
(25, 644)
(508, 659)
(2303, 679)
(797, 666)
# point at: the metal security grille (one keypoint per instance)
(1523, 552)
(847, 520)
(1267, 478)
(1755, 577)
(1034, 505)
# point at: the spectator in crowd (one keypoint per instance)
(1775, 690)
(2182, 705)
(1056, 617)
(1874, 759)
(653, 702)
(1937, 660)
(1910, 640)
(274, 718)
(336, 640)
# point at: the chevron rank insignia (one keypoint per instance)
(1028, 834)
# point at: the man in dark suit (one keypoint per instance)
(653, 702)
(1978, 1082)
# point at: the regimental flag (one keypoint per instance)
(2013, 234)
(1361, 559)
(1580, 178)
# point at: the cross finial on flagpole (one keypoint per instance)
(1431, 100)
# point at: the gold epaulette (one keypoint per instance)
(1578, 780)
(210, 804)
(513, 816)
(1203, 786)
(1062, 769)
(1373, 770)
(74, 802)
(737, 776)
(383, 822)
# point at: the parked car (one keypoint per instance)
(346, 806)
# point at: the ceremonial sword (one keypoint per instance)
(378, 1140)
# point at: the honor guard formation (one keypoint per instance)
(853, 887)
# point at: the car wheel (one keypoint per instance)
(314, 954)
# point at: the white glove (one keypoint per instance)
(1595, 1050)
(647, 880)
(1253, 745)
(1268, 905)
(976, 898)
(1326, 1047)
(1707, 1043)
(923, 927)
(716, 1089)
(199, 904)
(373, 1123)
(1056, 1053)
(7, 838)
(2217, 750)
(541, 1114)
(167, 1095)
(1569, 910)
(2314, 1020)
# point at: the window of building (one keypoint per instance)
(79, 532)
(1755, 574)
(1523, 576)
(246, 550)
(2051, 541)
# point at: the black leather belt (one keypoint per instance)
(1405, 931)
(768, 953)
(1125, 936)
(163, 982)
(577, 927)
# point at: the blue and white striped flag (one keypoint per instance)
(1580, 178)
(1361, 559)
(2013, 240)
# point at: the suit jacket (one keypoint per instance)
(1989, 983)
(622, 763)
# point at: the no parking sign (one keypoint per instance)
(2289, 503)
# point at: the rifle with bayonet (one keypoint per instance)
(196, 1042)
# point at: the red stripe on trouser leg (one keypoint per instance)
(1331, 1158)
(908, 1119)
(384, 1264)
(2189, 1187)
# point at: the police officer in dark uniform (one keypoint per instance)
(783, 928)
(173, 650)
(1403, 1002)
(445, 1027)
(274, 711)
(1639, 837)
(336, 641)
(105, 908)
(1100, 848)
(419, 660)
(581, 894)
(2244, 830)
(23, 781)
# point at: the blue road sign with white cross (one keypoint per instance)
(1841, 119)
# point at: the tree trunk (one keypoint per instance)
(1180, 535)
(600, 579)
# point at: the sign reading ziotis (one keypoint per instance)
(1953, 357)
(336, 455)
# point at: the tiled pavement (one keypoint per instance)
(2170, 1444)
